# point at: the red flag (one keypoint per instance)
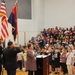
(13, 20)
(4, 22)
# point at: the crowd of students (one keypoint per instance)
(58, 44)
(61, 59)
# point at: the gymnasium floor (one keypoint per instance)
(26, 73)
(18, 73)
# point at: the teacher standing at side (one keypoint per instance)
(31, 60)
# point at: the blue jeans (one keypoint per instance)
(11, 72)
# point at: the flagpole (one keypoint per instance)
(17, 35)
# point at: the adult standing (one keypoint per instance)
(69, 60)
(10, 58)
(73, 62)
(0, 57)
(31, 60)
(63, 61)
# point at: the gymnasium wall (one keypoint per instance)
(59, 13)
(45, 14)
(30, 27)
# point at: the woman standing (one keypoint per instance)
(31, 60)
(63, 61)
(73, 63)
(69, 61)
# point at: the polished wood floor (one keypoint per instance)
(26, 73)
(18, 72)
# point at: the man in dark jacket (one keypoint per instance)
(9, 58)
(0, 57)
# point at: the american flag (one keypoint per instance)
(4, 21)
